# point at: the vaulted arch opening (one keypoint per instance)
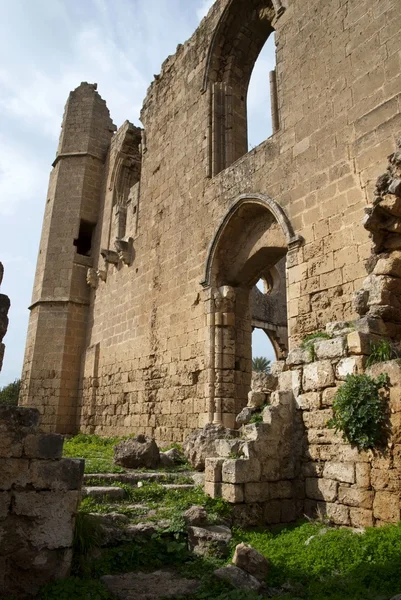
(250, 245)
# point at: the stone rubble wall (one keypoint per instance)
(294, 464)
(4, 308)
(39, 496)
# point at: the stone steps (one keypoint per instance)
(101, 492)
(133, 478)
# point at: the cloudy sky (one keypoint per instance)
(47, 47)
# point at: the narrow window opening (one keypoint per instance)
(84, 240)
(262, 114)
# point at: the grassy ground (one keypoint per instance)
(312, 561)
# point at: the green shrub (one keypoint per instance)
(381, 352)
(9, 393)
(74, 588)
(359, 411)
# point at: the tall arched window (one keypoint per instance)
(261, 115)
(242, 32)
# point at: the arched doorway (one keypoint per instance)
(251, 242)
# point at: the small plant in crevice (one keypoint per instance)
(310, 339)
(256, 418)
(360, 411)
(382, 351)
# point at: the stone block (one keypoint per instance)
(256, 492)
(355, 497)
(288, 511)
(241, 470)
(290, 381)
(321, 489)
(272, 512)
(338, 513)
(318, 375)
(362, 475)
(53, 516)
(328, 396)
(18, 418)
(213, 489)
(352, 365)
(5, 502)
(379, 479)
(213, 468)
(256, 399)
(335, 348)
(11, 444)
(65, 474)
(14, 473)
(317, 419)
(233, 493)
(44, 445)
(280, 489)
(359, 343)
(386, 507)
(344, 472)
(308, 401)
(298, 356)
(361, 517)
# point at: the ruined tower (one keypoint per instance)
(60, 300)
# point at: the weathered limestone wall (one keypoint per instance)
(4, 308)
(293, 464)
(39, 495)
(154, 361)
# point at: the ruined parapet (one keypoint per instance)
(379, 300)
(39, 495)
(291, 463)
(4, 308)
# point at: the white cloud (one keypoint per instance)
(204, 8)
(22, 177)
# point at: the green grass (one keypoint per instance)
(97, 452)
(336, 564)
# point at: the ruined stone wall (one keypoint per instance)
(148, 366)
(39, 496)
(4, 308)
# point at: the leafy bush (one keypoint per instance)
(359, 411)
(261, 364)
(380, 352)
(74, 588)
(9, 393)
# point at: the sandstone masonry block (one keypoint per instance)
(353, 365)
(213, 469)
(344, 472)
(355, 497)
(361, 517)
(308, 401)
(318, 375)
(14, 473)
(233, 493)
(241, 470)
(45, 446)
(386, 507)
(321, 489)
(335, 348)
(338, 513)
(5, 502)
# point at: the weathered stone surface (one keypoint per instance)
(318, 375)
(241, 470)
(386, 507)
(353, 365)
(321, 489)
(213, 540)
(344, 472)
(14, 472)
(256, 399)
(44, 445)
(65, 474)
(104, 493)
(361, 517)
(5, 504)
(308, 401)
(245, 415)
(239, 579)
(232, 492)
(18, 418)
(201, 444)
(337, 513)
(250, 560)
(196, 516)
(334, 348)
(355, 497)
(136, 453)
(298, 356)
(149, 586)
(213, 469)
(263, 382)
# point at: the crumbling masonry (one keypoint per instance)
(4, 308)
(153, 240)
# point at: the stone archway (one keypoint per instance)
(252, 238)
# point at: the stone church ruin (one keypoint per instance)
(154, 239)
